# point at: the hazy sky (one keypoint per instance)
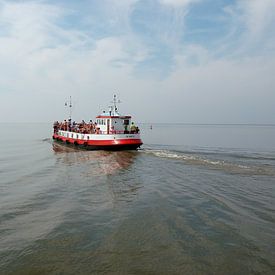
(195, 61)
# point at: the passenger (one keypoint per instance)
(65, 125)
(69, 125)
(133, 128)
(55, 126)
(92, 129)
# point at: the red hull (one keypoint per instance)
(114, 144)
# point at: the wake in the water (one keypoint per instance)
(200, 159)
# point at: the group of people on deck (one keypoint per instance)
(81, 127)
(87, 128)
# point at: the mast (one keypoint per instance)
(115, 102)
(114, 108)
(69, 104)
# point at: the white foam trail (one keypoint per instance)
(216, 164)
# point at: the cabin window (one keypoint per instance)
(126, 122)
(88, 137)
(76, 136)
(72, 135)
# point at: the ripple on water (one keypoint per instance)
(158, 210)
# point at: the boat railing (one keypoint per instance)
(115, 132)
(111, 132)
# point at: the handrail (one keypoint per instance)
(113, 132)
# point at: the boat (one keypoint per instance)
(109, 131)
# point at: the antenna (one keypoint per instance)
(115, 101)
(69, 104)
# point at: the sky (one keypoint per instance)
(182, 61)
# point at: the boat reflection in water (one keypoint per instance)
(96, 172)
(99, 162)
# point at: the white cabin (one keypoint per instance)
(110, 123)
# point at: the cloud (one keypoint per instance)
(252, 27)
(43, 62)
(178, 3)
(142, 52)
(258, 16)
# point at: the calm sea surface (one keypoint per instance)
(196, 199)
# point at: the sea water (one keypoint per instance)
(195, 199)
